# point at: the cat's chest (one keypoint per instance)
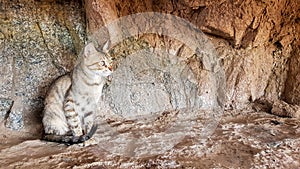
(87, 98)
(85, 103)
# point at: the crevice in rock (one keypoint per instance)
(249, 35)
(5, 108)
(8, 111)
(55, 62)
(211, 31)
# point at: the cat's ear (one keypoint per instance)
(89, 49)
(105, 48)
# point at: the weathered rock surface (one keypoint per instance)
(257, 43)
(282, 108)
(292, 90)
(39, 41)
(256, 46)
(242, 140)
(278, 107)
(259, 48)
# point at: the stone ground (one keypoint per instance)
(241, 140)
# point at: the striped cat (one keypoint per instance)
(71, 101)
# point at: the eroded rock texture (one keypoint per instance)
(258, 140)
(292, 90)
(257, 41)
(39, 41)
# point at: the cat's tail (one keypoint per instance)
(69, 140)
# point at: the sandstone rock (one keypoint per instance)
(277, 107)
(257, 41)
(284, 109)
(292, 85)
(254, 40)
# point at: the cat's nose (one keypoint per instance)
(109, 68)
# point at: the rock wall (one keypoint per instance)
(292, 84)
(39, 41)
(257, 42)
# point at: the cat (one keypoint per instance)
(70, 104)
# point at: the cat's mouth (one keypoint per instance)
(106, 73)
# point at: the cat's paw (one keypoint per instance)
(55, 130)
(77, 131)
(90, 141)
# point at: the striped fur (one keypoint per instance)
(71, 101)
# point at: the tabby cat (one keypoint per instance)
(70, 103)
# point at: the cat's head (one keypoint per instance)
(97, 61)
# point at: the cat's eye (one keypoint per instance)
(102, 63)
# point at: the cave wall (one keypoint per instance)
(39, 41)
(257, 42)
(291, 92)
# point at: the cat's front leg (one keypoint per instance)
(72, 117)
(88, 121)
(88, 125)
